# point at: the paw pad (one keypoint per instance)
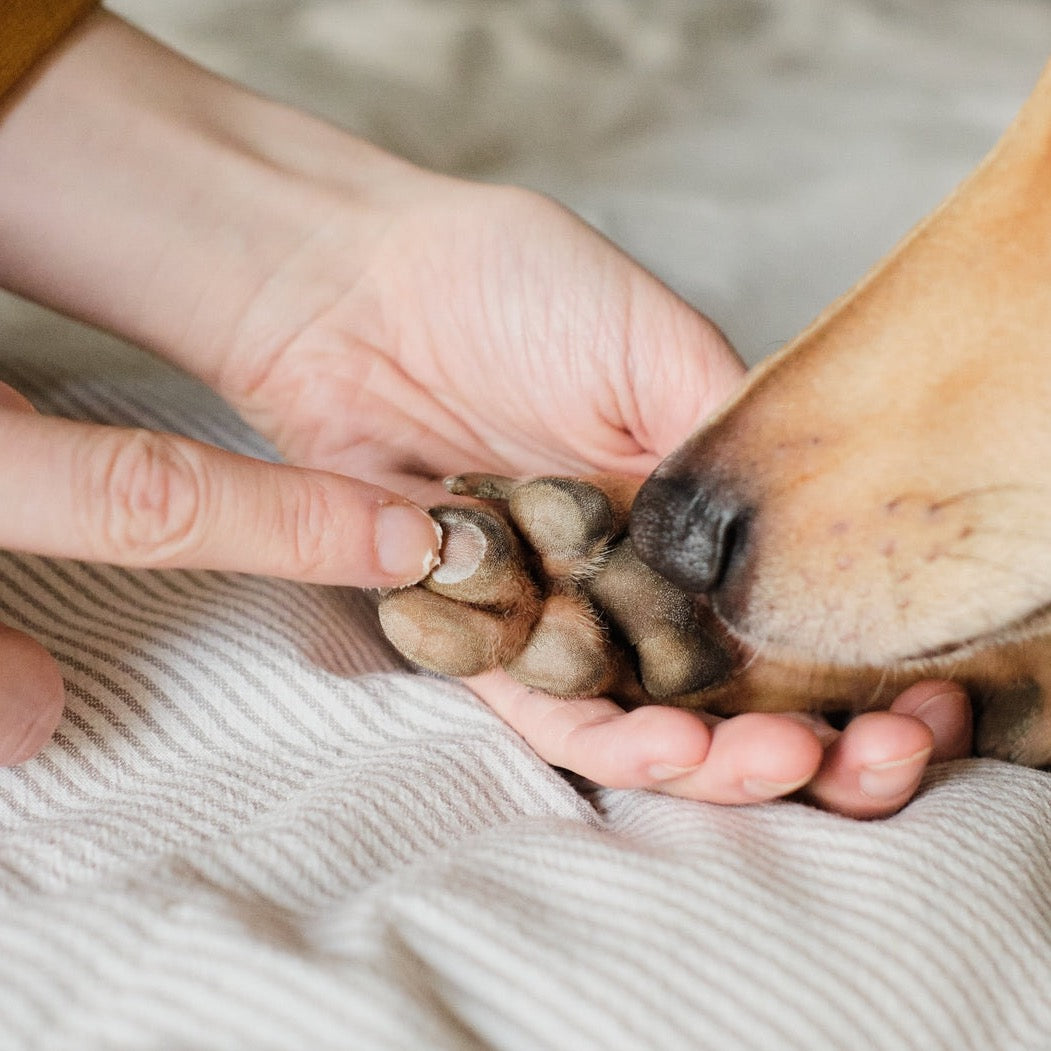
(539, 577)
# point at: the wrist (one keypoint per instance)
(155, 200)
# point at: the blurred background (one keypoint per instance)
(758, 155)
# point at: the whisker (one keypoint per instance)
(1002, 530)
(1008, 569)
(981, 491)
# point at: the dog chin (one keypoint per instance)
(1031, 626)
(943, 659)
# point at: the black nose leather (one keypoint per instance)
(688, 531)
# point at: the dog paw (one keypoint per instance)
(539, 577)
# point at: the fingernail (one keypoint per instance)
(463, 548)
(760, 788)
(407, 542)
(890, 779)
(939, 714)
(667, 772)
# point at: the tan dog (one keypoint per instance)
(879, 494)
(873, 508)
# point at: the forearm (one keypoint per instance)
(155, 200)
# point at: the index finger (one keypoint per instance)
(139, 498)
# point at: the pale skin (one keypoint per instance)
(383, 326)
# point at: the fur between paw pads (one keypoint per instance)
(539, 577)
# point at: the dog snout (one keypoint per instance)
(691, 530)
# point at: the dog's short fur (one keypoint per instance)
(872, 508)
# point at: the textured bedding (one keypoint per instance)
(254, 829)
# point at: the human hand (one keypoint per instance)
(107, 494)
(382, 323)
(129, 497)
(492, 330)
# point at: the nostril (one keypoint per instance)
(691, 534)
(732, 532)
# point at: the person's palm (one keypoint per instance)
(489, 330)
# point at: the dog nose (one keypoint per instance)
(691, 533)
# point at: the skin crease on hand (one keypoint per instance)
(383, 326)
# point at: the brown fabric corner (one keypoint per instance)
(28, 29)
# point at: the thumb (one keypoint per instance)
(13, 399)
(139, 498)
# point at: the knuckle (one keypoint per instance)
(306, 524)
(145, 497)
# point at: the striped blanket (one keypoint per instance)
(253, 830)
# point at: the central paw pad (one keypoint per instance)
(539, 577)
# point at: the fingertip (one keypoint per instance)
(753, 758)
(875, 766)
(946, 709)
(641, 748)
(670, 743)
(875, 738)
(13, 400)
(775, 749)
(408, 542)
(32, 696)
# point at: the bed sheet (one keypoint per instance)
(255, 829)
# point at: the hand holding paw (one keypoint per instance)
(541, 602)
(540, 578)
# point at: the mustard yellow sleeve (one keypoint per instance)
(28, 28)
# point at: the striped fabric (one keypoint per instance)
(253, 831)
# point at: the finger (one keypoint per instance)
(14, 400)
(874, 767)
(748, 759)
(31, 696)
(595, 738)
(753, 758)
(138, 498)
(946, 709)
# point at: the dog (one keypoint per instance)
(872, 508)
